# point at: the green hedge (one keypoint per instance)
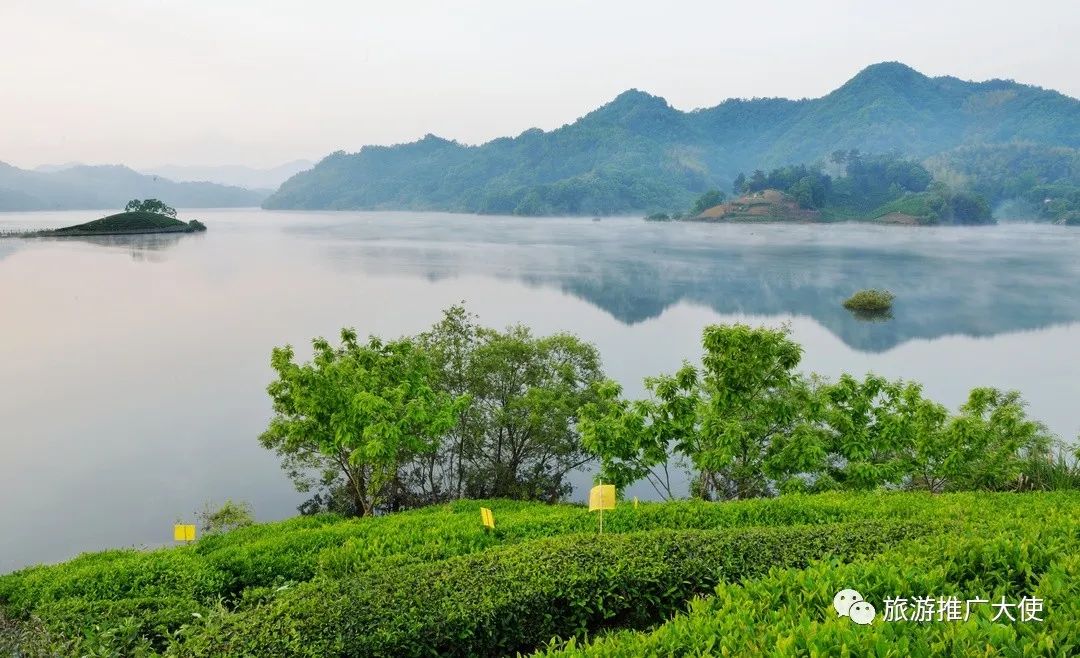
(299, 549)
(789, 612)
(245, 566)
(518, 597)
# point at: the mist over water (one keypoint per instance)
(133, 386)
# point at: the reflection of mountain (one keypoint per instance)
(977, 282)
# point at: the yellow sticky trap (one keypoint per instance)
(183, 532)
(635, 502)
(487, 518)
(602, 497)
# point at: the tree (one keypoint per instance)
(637, 440)
(744, 420)
(150, 205)
(739, 186)
(756, 426)
(230, 516)
(711, 198)
(982, 447)
(517, 437)
(969, 208)
(357, 414)
(870, 427)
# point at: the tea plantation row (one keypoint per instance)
(432, 582)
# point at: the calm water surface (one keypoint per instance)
(133, 369)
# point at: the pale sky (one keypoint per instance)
(260, 82)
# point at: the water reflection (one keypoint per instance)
(149, 247)
(946, 281)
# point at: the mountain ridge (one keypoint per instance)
(637, 152)
(94, 187)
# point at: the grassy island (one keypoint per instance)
(131, 222)
(150, 216)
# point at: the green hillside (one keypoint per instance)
(434, 582)
(126, 221)
(638, 153)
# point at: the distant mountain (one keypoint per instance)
(238, 175)
(638, 153)
(50, 168)
(109, 186)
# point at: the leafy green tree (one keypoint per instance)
(982, 447)
(518, 436)
(357, 412)
(150, 205)
(870, 427)
(744, 420)
(639, 440)
(969, 208)
(705, 201)
(756, 424)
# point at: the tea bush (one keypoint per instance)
(789, 611)
(137, 601)
(517, 597)
(297, 550)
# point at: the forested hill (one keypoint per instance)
(109, 186)
(638, 153)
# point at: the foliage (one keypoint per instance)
(740, 420)
(711, 198)
(1046, 178)
(230, 516)
(361, 411)
(150, 205)
(517, 436)
(126, 221)
(124, 600)
(809, 186)
(749, 425)
(500, 601)
(870, 300)
(639, 154)
(1022, 548)
(513, 429)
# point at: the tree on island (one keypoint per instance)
(705, 201)
(150, 205)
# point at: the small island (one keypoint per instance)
(139, 217)
(870, 301)
(871, 305)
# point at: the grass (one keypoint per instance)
(432, 581)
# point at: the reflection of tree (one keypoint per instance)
(864, 315)
(145, 247)
(950, 284)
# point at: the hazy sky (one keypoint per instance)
(259, 82)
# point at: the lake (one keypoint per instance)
(132, 390)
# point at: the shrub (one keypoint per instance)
(789, 612)
(515, 598)
(870, 300)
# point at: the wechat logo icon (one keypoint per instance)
(849, 603)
